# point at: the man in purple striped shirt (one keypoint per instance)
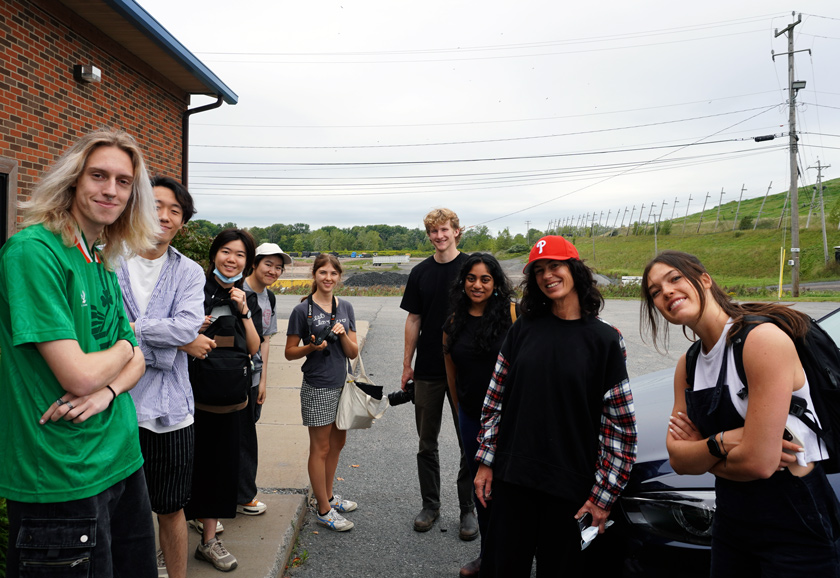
(163, 294)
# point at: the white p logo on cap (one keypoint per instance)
(541, 243)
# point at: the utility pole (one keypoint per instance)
(718, 211)
(738, 208)
(650, 212)
(761, 208)
(630, 222)
(784, 209)
(811, 206)
(593, 235)
(793, 87)
(661, 208)
(617, 213)
(641, 212)
(622, 217)
(674, 208)
(819, 188)
(703, 211)
(528, 233)
(686, 213)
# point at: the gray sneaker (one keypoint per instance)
(161, 565)
(216, 553)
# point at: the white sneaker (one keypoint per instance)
(198, 526)
(252, 508)
(161, 565)
(334, 521)
(341, 505)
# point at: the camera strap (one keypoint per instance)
(309, 321)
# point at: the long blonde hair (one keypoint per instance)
(134, 231)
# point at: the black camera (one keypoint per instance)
(402, 396)
(325, 334)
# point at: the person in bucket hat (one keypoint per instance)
(567, 437)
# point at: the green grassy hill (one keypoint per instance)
(743, 256)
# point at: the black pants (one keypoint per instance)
(783, 526)
(107, 535)
(248, 448)
(518, 532)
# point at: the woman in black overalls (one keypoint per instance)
(776, 514)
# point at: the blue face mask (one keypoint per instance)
(224, 279)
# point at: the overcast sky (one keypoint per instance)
(356, 113)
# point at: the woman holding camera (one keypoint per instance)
(323, 329)
(482, 312)
(777, 514)
(558, 431)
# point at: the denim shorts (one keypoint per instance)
(110, 534)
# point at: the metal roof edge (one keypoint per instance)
(144, 21)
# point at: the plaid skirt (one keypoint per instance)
(318, 405)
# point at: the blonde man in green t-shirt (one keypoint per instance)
(69, 445)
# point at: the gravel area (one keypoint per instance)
(371, 279)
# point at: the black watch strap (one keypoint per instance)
(714, 447)
(246, 315)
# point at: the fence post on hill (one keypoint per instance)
(703, 211)
(720, 202)
(784, 208)
(761, 208)
(630, 224)
(738, 209)
(686, 212)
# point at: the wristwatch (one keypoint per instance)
(714, 447)
(246, 315)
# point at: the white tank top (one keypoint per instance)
(706, 375)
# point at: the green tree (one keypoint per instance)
(503, 240)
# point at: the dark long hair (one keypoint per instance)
(535, 303)
(225, 237)
(792, 322)
(496, 318)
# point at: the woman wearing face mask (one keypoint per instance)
(323, 329)
(217, 428)
(776, 513)
(482, 312)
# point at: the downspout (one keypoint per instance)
(185, 135)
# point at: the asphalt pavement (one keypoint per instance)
(377, 467)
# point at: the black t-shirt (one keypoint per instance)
(474, 367)
(427, 294)
(553, 400)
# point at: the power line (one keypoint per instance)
(483, 141)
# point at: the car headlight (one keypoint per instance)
(678, 516)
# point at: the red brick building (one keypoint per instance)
(142, 82)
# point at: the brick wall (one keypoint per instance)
(43, 109)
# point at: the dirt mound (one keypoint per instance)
(386, 278)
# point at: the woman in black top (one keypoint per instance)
(480, 301)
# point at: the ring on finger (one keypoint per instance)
(70, 405)
(59, 402)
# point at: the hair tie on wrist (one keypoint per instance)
(114, 393)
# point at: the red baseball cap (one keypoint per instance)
(552, 247)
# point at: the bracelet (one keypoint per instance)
(723, 447)
(114, 393)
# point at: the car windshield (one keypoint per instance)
(831, 324)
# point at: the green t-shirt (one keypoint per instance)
(48, 292)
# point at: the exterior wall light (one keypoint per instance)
(87, 73)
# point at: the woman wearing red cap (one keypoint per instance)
(558, 434)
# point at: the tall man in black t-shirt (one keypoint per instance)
(426, 299)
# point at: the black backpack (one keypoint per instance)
(224, 376)
(820, 359)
